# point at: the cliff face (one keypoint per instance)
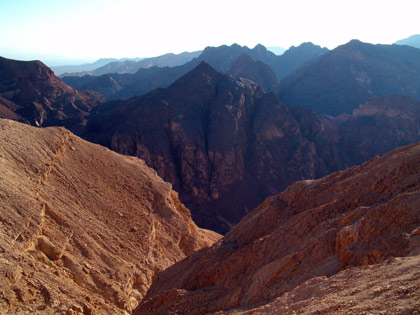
(359, 216)
(221, 141)
(83, 228)
(40, 97)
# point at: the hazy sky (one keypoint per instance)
(51, 30)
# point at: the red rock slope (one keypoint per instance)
(83, 228)
(360, 216)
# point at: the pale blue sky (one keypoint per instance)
(91, 29)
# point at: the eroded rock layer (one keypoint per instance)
(83, 228)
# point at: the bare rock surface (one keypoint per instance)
(315, 228)
(391, 287)
(83, 229)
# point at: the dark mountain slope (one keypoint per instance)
(340, 80)
(40, 98)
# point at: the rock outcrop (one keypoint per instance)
(315, 228)
(40, 98)
(83, 229)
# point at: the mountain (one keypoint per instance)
(337, 82)
(87, 67)
(84, 229)
(255, 71)
(221, 58)
(114, 86)
(294, 57)
(132, 66)
(221, 141)
(32, 91)
(302, 244)
(413, 41)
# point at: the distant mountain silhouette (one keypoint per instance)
(132, 66)
(31, 91)
(87, 68)
(295, 57)
(413, 41)
(114, 86)
(337, 82)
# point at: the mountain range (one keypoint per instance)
(87, 67)
(131, 66)
(337, 82)
(318, 215)
(114, 86)
(226, 145)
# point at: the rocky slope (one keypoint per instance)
(390, 287)
(40, 98)
(83, 229)
(337, 82)
(357, 217)
(221, 141)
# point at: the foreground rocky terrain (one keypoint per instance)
(83, 229)
(390, 287)
(286, 248)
